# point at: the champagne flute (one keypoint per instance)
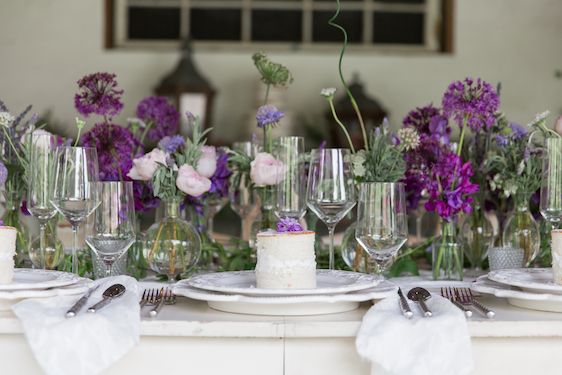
(113, 227)
(291, 191)
(75, 193)
(382, 221)
(42, 167)
(551, 182)
(331, 190)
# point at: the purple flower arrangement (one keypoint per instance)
(98, 94)
(159, 115)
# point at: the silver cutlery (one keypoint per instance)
(420, 295)
(149, 297)
(111, 293)
(467, 298)
(404, 306)
(75, 309)
(165, 297)
(453, 297)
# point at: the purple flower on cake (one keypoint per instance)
(160, 115)
(144, 167)
(98, 93)
(288, 225)
(207, 164)
(171, 144)
(472, 103)
(191, 182)
(268, 115)
(266, 170)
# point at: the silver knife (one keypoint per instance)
(404, 306)
(81, 302)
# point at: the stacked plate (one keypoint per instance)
(530, 288)
(336, 291)
(30, 283)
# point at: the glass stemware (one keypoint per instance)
(331, 189)
(113, 224)
(551, 182)
(291, 191)
(382, 222)
(42, 167)
(75, 193)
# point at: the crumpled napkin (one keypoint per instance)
(439, 345)
(88, 343)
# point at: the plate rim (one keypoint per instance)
(63, 279)
(492, 275)
(477, 286)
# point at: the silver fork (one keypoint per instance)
(450, 295)
(467, 298)
(165, 297)
(149, 297)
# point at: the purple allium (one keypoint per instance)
(98, 93)
(3, 174)
(288, 225)
(450, 188)
(475, 102)
(420, 118)
(116, 147)
(160, 114)
(171, 144)
(268, 115)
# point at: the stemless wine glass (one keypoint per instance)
(551, 182)
(382, 222)
(291, 191)
(75, 193)
(42, 167)
(113, 224)
(331, 190)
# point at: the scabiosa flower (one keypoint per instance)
(502, 140)
(3, 174)
(171, 144)
(288, 225)
(115, 146)
(268, 115)
(409, 138)
(98, 93)
(517, 131)
(163, 117)
(472, 102)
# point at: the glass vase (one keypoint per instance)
(172, 246)
(353, 254)
(12, 218)
(54, 249)
(521, 230)
(477, 236)
(447, 254)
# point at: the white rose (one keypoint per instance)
(207, 164)
(144, 167)
(266, 170)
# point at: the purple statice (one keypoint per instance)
(219, 180)
(171, 144)
(268, 115)
(116, 148)
(98, 93)
(160, 115)
(473, 102)
(288, 225)
(420, 118)
(449, 187)
(3, 174)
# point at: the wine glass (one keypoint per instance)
(42, 167)
(113, 227)
(331, 190)
(291, 191)
(75, 193)
(551, 182)
(382, 221)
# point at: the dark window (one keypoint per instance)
(398, 28)
(276, 25)
(216, 24)
(352, 21)
(402, 1)
(153, 23)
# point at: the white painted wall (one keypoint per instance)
(46, 45)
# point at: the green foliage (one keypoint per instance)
(85, 263)
(239, 164)
(273, 74)
(164, 183)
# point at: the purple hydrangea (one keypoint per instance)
(472, 101)
(3, 174)
(158, 113)
(98, 93)
(268, 115)
(171, 144)
(288, 225)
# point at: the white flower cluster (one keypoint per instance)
(358, 161)
(6, 119)
(409, 138)
(507, 187)
(328, 92)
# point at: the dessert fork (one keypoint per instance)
(165, 297)
(149, 297)
(466, 297)
(451, 296)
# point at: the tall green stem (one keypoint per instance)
(331, 101)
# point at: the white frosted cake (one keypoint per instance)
(286, 260)
(7, 252)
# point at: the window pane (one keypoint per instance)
(351, 21)
(398, 28)
(154, 23)
(216, 24)
(277, 25)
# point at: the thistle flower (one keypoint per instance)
(409, 138)
(160, 114)
(98, 93)
(6, 119)
(328, 93)
(171, 144)
(268, 115)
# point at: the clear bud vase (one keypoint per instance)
(447, 253)
(521, 230)
(477, 236)
(172, 246)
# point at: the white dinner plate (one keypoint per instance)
(535, 280)
(244, 282)
(32, 279)
(285, 305)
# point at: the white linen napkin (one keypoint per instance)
(439, 345)
(88, 343)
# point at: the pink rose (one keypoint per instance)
(207, 164)
(144, 167)
(191, 182)
(558, 126)
(266, 170)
